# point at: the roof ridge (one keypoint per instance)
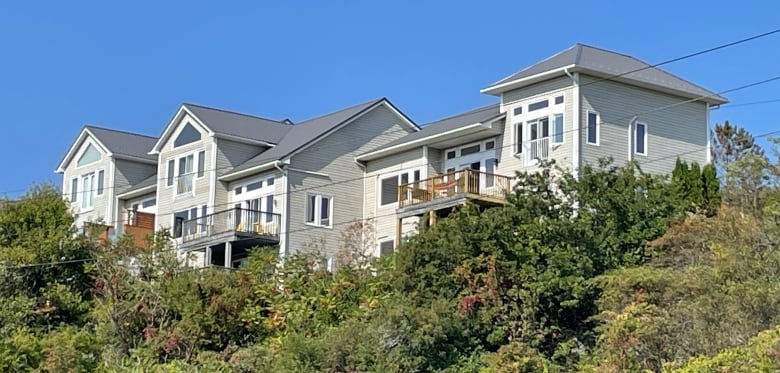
(231, 112)
(612, 51)
(483, 108)
(535, 64)
(119, 131)
(372, 102)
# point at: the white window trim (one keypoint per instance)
(252, 194)
(318, 209)
(527, 116)
(198, 210)
(644, 139)
(397, 174)
(552, 128)
(175, 159)
(92, 189)
(598, 128)
(84, 150)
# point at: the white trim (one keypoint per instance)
(250, 171)
(517, 83)
(285, 216)
(243, 140)
(577, 123)
(424, 172)
(318, 210)
(398, 113)
(110, 195)
(709, 134)
(644, 139)
(213, 175)
(134, 159)
(598, 128)
(137, 192)
(309, 172)
(77, 145)
(173, 124)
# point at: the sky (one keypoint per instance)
(129, 65)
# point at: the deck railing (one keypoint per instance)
(235, 220)
(464, 182)
(139, 225)
(539, 149)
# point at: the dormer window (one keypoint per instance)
(188, 135)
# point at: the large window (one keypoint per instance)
(640, 138)
(74, 189)
(185, 170)
(179, 219)
(593, 128)
(88, 191)
(319, 209)
(557, 136)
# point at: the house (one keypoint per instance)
(223, 182)
(98, 168)
(576, 107)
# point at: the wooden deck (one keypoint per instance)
(451, 189)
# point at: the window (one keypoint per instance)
(416, 175)
(519, 138)
(593, 128)
(254, 186)
(171, 171)
(490, 145)
(238, 190)
(490, 169)
(559, 100)
(149, 203)
(184, 180)
(518, 110)
(90, 155)
(185, 223)
(74, 189)
(187, 135)
(88, 191)
(269, 181)
(100, 183)
(538, 105)
(640, 138)
(470, 150)
(269, 208)
(318, 210)
(386, 247)
(557, 137)
(201, 163)
(451, 154)
(389, 190)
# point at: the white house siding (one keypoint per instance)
(167, 203)
(679, 130)
(435, 161)
(230, 154)
(334, 156)
(100, 211)
(383, 217)
(509, 162)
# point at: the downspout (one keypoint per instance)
(576, 137)
(631, 138)
(709, 132)
(285, 210)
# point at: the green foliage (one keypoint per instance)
(696, 189)
(760, 354)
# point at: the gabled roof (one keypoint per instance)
(603, 63)
(240, 125)
(309, 131)
(117, 143)
(227, 124)
(475, 119)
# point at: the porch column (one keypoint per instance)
(228, 255)
(431, 218)
(398, 232)
(207, 257)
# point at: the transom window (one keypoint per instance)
(538, 105)
(90, 155)
(319, 210)
(187, 135)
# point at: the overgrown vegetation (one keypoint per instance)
(615, 271)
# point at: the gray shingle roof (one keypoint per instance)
(610, 63)
(305, 132)
(124, 143)
(241, 125)
(479, 115)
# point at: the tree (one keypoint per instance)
(730, 143)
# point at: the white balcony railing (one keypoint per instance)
(538, 150)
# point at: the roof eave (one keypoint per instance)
(245, 140)
(487, 124)
(137, 192)
(74, 147)
(497, 89)
(134, 158)
(247, 172)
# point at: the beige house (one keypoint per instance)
(224, 182)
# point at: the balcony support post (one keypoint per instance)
(228, 255)
(398, 232)
(207, 257)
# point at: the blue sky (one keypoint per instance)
(128, 65)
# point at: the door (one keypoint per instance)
(538, 140)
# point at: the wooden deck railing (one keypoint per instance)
(139, 225)
(472, 183)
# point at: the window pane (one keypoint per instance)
(416, 175)
(149, 203)
(325, 211)
(545, 123)
(182, 166)
(404, 178)
(74, 189)
(170, 172)
(559, 100)
(201, 163)
(450, 154)
(640, 138)
(238, 190)
(533, 127)
(187, 135)
(490, 145)
(538, 105)
(558, 128)
(490, 178)
(100, 183)
(519, 138)
(269, 181)
(593, 128)
(389, 190)
(254, 186)
(190, 163)
(386, 247)
(518, 110)
(269, 208)
(470, 150)
(311, 202)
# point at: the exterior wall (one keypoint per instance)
(100, 212)
(435, 161)
(678, 130)
(509, 161)
(334, 156)
(129, 173)
(383, 217)
(277, 190)
(167, 202)
(230, 154)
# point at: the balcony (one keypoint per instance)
(249, 226)
(538, 150)
(451, 189)
(139, 225)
